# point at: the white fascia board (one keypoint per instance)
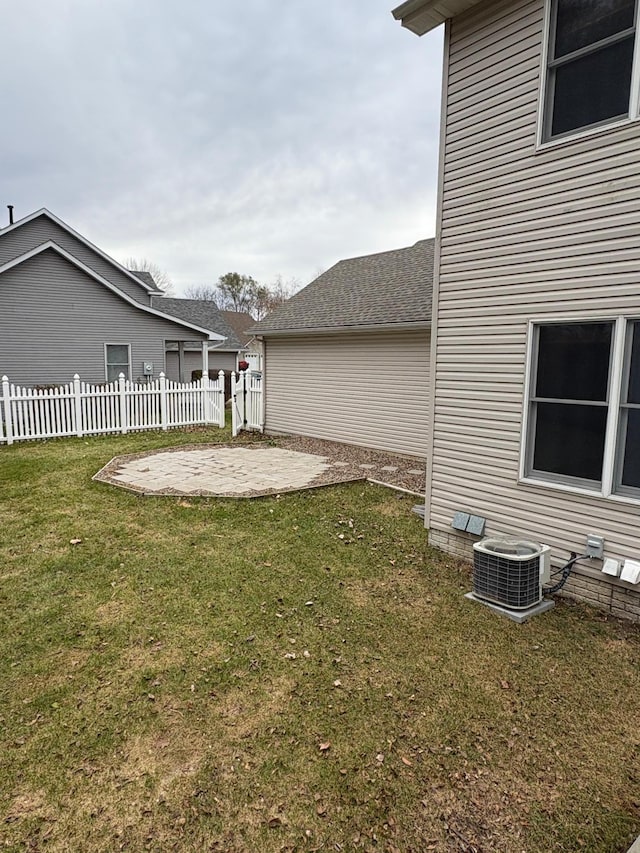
(422, 16)
(44, 212)
(336, 330)
(212, 336)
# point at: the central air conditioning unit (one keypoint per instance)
(510, 572)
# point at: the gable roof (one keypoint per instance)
(421, 16)
(386, 290)
(51, 246)
(240, 321)
(201, 312)
(44, 212)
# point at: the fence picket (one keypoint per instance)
(80, 408)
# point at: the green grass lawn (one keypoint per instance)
(293, 673)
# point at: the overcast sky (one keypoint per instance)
(271, 137)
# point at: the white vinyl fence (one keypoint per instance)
(121, 406)
(247, 401)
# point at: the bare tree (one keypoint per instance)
(204, 292)
(160, 277)
(268, 298)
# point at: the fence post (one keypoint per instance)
(8, 426)
(122, 393)
(77, 405)
(204, 390)
(221, 400)
(163, 401)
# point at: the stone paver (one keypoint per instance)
(226, 471)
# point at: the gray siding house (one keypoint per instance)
(66, 308)
(535, 386)
(347, 358)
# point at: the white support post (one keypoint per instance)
(181, 362)
(221, 400)
(122, 394)
(163, 401)
(8, 426)
(77, 405)
(205, 359)
(206, 398)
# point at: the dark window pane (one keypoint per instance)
(631, 462)
(573, 361)
(114, 371)
(117, 354)
(633, 393)
(570, 440)
(584, 22)
(593, 88)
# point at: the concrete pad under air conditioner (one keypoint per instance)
(518, 616)
(635, 847)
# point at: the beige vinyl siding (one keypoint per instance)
(526, 234)
(369, 389)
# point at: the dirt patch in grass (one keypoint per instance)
(113, 611)
(247, 714)
(27, 805)
(163, 757)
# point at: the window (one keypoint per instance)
(590, 64)
(117, 360)
(628, 470)
(583, 425)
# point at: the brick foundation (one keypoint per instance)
(584, 584)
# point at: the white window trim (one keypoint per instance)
(106, 366)
(634, 98)
(620, 332)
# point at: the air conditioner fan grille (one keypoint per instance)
(507, 582)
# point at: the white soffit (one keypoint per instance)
(421, 16)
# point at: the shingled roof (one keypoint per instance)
(147, 278)
(240, 321)
(389, 289)
(202, 313)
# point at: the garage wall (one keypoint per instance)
(369, 389)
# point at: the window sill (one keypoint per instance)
(561, 487)
(577, 490)
(585, 134)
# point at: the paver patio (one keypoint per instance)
(248, 471)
